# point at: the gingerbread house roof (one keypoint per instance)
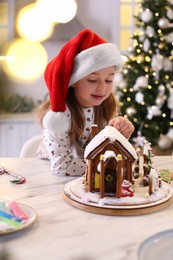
(111, 134)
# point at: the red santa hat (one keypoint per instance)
(83, 54)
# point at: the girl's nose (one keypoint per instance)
(101, 86)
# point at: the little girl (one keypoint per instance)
(80, 82)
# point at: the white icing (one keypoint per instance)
(112, 134)
(107, 154)
(154, 179)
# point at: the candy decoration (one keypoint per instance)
(17, 211)
(164, 174)
(10, 224)
(9, 216)
(126, 189)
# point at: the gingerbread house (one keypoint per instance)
(110, 159)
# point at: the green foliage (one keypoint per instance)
(148, 106)
(15, 103)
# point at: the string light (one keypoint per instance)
(147, 58)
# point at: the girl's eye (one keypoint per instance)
(92, 80)
(108, 81)
(95, 81)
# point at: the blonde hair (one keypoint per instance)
(108, 109)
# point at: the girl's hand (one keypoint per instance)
(123, 125)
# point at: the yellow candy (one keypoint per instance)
(146, 195)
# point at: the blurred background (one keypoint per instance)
(33, 32)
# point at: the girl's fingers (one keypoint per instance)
(123, 125)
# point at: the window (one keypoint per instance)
(125, 20)
(6, 20)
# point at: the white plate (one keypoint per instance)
(30, 212)
(157, 247)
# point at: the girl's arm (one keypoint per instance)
(63, 157)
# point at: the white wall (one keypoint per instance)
(100, 16)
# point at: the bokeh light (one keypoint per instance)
(33, 25)
(58, 11)
(28, 63)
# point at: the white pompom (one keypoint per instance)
(139, 97)
(170, 134)
(146, 45)
(146, 16)
(169, 37)
(169, 13)
(57, 122)
(141, 82)
(164, 142)
(163, 23)
(157, 62)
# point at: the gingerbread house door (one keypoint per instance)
(110, 181)
(110, 176)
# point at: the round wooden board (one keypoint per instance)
(117, 211)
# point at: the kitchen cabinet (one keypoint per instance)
(15, 130)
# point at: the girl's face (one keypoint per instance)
(93, 89)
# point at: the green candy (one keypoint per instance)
(14, 224)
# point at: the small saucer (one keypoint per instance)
(157, 247)
(32, 215)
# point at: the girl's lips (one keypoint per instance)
(98, 97)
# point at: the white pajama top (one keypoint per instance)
(67, 158)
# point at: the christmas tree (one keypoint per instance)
(145, 84)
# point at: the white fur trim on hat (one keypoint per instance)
(95, 58)
(57, 122)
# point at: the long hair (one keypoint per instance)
(103, 113)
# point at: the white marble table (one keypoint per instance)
(65, 233)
